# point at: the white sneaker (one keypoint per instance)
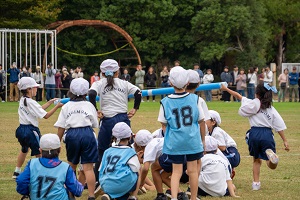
(255, 185)
(272, 156)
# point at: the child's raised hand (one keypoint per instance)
(223, 86)
(287, 148)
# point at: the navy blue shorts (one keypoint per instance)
(106, 126)
(166, 163)
(233, 156)
(81, 144)
(180, 159)
(29, 137)
(259, 140)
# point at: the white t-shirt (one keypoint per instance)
(208, 78)
(253, 78)
(31, 113)
(158, 133)
(205, 108)
(269, 117)
(161, 115)
(115, 101)
(213, 175)
(223, 138)
(153, 150)
(268, 77)
(75, 114)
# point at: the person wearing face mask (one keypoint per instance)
(24, 73)
(39, 79)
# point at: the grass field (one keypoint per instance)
(283, 183)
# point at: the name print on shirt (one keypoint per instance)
(24, 110)
(115, 89)
(77, 112)
(266, 114)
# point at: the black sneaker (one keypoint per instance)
(168, 193)
(24, 197)
(161, 197)
(15, 175)
(182, 196)
(91, 198)
(98, 190)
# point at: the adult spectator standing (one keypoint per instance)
(95, 77)
(39, 79)
(199, 71)
(77, 73)
(125, 76)
(241, 84)
(293, 84)
(139, 77)
(58, 84)
(164, 75)
(234, 75)
(252, 82)
(24, 73)
(283, 84)
(268, 75)
(150, 79)
(13, 81)
(226, 77)
(2, 83)
(66, 81)
(50, 81)
(208, 78)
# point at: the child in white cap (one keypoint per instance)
(225, 142)
(118, 173)
(113, 103)
(30, 111)
(76, 120)
(214, 179)
(194, 82)
(182, 118)
(48, 177)
(263, 117)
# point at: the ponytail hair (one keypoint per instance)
(24, 93)
(264, 95)
(110, 79)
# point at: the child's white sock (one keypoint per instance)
(18, 169)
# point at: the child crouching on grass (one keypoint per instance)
(76, 120)
(30, 111)
(48, 177)
(263, 117)
(118, 172)
(214, 179)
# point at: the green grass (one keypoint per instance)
(282, 183)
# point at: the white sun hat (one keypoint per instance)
(178, 77)
(49, 141)
(79, 86)
(121, 131)
(109, 65)
(193, 76)
(215, 116)
(143, 137)
(27, 82)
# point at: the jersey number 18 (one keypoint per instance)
(185, 115)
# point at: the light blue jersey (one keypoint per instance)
(116, 177)
(182, 135)
(47, 183)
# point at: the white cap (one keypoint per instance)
(79, 86)
(211, 144)
(121, 131)
(178, 77)
(215, 116)
(109, 65)
(27, 82)
(49, 141)
(143, 137)
(193, 76)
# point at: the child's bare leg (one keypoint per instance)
(175, 178)
(165, 176)
(81, 177)
(256, 169)
(192, 168)
(157, 179)
(271, 165)
(88, 170)
(149, 185)
(21, 159)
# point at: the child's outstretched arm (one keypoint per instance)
(144, 172)
(52, 111)
(233, 93)
(285, 143)
(48, 103)
(60, 132)
(73, 186)
(231, 188)
(202, 131)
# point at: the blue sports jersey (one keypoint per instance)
(182, 135)
(116, 177)
(48, 183)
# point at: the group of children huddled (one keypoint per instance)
(189, 148)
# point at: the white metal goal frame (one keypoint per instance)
(27, 47)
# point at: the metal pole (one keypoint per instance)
(36, 49)
(1, 46)
(26, 56)
(10, 48)
(46, 50)
(5, 62)
(30, 56)
(16, 42)
(20, 50)
(55, 48)
(40, 47)
(52, 50)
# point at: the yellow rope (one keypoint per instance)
(93, 55)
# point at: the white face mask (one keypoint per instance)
(24, 70)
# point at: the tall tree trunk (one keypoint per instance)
(280, 49)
